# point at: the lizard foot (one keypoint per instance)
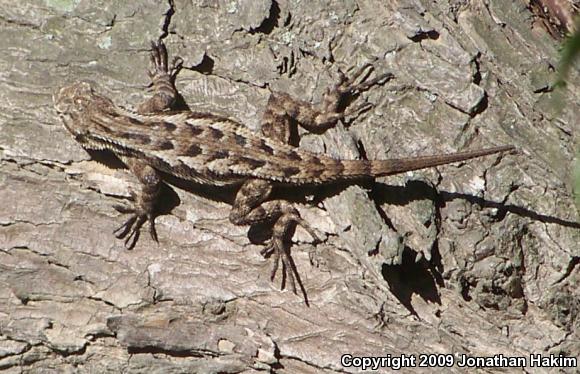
(281, 252)
(349, 86)
(159, 62)
(130, 230)
(279, 248)
(162, 76)
(345, 90)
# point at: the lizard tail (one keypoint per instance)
(381, 168)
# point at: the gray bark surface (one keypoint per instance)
(479, 258)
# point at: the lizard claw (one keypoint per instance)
(176, 66)
(131, 229)
(344, 91)
(348, 86)
(152, 230)
(357, 110)
(159, 62)
(156, 59)
(278, 248)
(281, 253)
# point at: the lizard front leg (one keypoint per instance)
(162, 77)
(144, 203)
(164, 94)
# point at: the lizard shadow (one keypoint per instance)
(414, 274)
(168, 198)
(258, 233)
(421, 277)
(106, 158)
(417, 190)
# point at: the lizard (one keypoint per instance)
(214, 150)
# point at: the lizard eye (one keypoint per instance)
(79, 105)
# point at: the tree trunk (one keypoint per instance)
(477, 259)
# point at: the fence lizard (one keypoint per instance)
(213, 150)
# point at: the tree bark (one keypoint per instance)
(477, 259)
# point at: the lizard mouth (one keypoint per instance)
(59, 100)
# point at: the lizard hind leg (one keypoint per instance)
(330, 109)
(282, 108)
(250, 207)
(279, 248)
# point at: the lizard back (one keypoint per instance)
(202, 147)
(211, 149)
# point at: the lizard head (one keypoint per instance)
(74, 98)
(74, 104)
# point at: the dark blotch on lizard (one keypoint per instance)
(290, 171)
(193, 150)
(217, 155)
(215, 134)
(294, 156)
(195, 130)
(252, 162)
(143, 139)
(170, 127)
(240, 140)
(265, 147)
(165, 145)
